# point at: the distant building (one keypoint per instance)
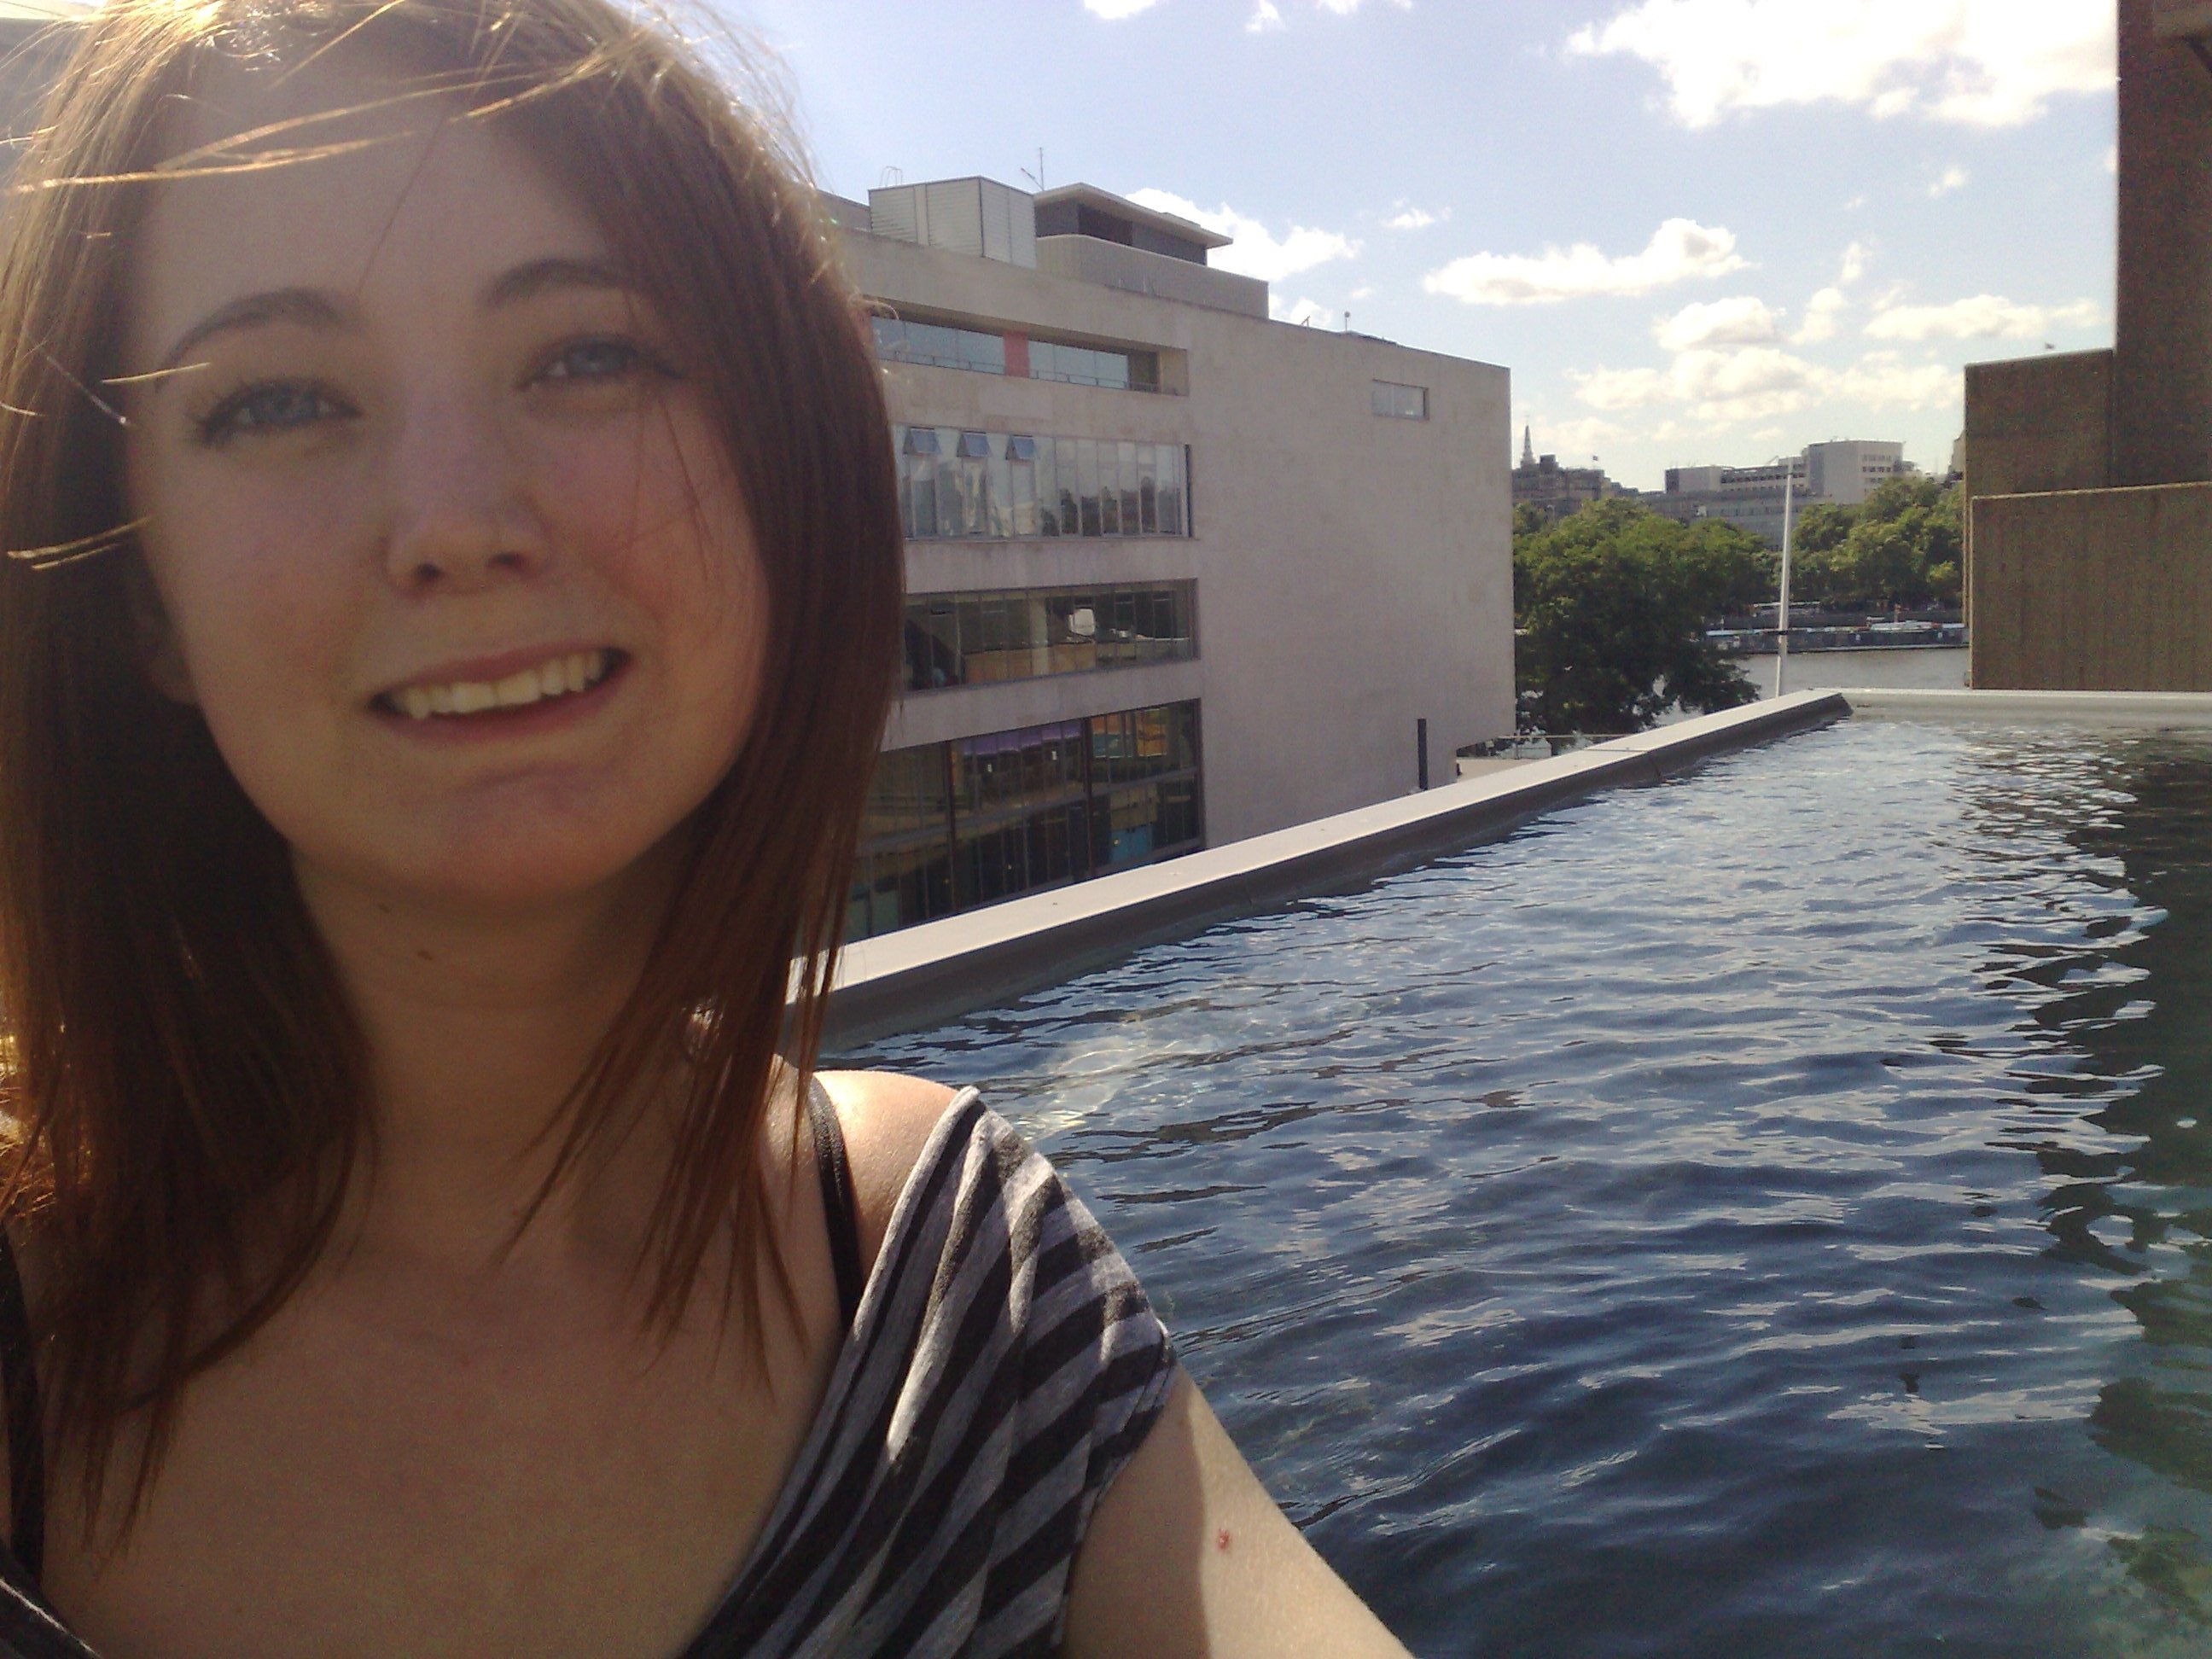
(1752, 498)
(1557, 491)
(1177, 574)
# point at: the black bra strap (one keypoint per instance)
(837, 1203)
(27, 1440)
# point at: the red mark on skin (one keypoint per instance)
(1221, 1539)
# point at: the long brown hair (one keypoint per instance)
(185, 1086)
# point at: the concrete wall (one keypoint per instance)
(1354, 572)
(2106, 590)
(2162, 422)
(2037, 424)
(2034, 425)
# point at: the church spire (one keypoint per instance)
(1528, 445)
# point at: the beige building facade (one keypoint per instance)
(1177, 574)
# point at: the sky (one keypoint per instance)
(1698, 232)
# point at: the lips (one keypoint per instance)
(561, 676)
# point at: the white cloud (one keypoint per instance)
(1755, 383)
(1413, 218)
(1953, 178)
(1584, 434)
(1364, 291)
(1616, 389)
(1977, 62)
(1256, 252)
(1984, 317)
(1742, 320)
(1679, 251)
(1307, 313)
(1855, 264)
(1733, 386)
(1267, 15)
(1114, 10)
(1820, 313)
(1884, 380)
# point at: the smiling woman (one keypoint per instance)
(452, 595)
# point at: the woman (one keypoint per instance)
(454, 590)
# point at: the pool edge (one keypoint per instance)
(927, 975)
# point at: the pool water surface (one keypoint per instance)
(1764, 1214)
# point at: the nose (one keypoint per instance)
(461, 517)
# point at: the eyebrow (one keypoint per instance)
(315, 308)
(307, 306)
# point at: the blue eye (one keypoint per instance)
(277, 406)
(594, 360)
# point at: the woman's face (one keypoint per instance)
(446, 549)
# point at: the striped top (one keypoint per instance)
(1003, 1366)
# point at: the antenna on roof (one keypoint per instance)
(1037, 177)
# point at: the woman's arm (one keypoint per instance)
(1187, 1555)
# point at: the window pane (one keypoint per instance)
(1148, 490)
(1069, 483)
(932, 646)
(1000, 503)
(1021, 498)
(921, 495)
(1126, 468)
(984, 352)
(1110, 487)
(1171, 488)
(1086, 474)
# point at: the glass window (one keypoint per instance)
(1405, 403)
(986, 354)
(999, 498)
(920, 496)
(1021, 497)
(947, 826)
(1086, 475)
(1148, 490)
(1047, 489)
(1125, 475)
(1173, 520)
(933, 644)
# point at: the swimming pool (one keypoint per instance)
(1768, 1213)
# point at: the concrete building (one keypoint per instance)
(1557, 492)
(1177, 574)
(2089, 474)
(1844, 472)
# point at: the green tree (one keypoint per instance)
(1611, 608)
(1900, 546)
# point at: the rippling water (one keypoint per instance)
(1766, 1214)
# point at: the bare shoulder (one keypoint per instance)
(887, 1118)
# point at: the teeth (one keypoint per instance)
(557, 676)
(517, 690)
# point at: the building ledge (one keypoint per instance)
(923, 976)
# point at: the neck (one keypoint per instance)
(478, 1027)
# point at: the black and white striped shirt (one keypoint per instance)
(1003, 1367)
